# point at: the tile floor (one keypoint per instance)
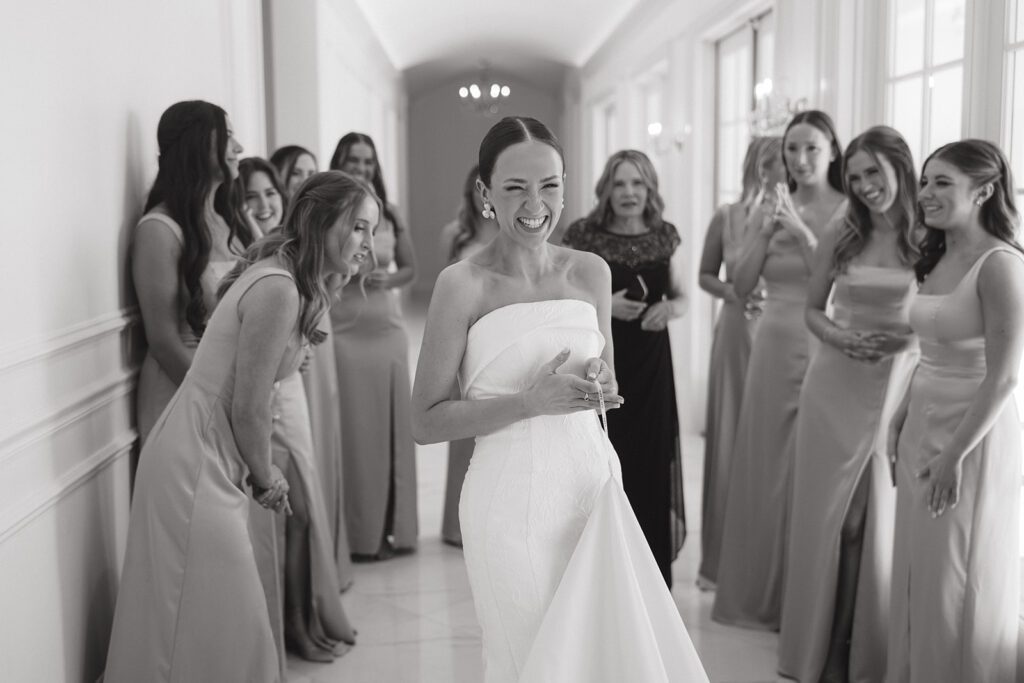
(415, 613)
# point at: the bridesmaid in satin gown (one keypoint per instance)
(179, 250)
(302, 589)
(462, 238)
(191, 606)
(730, 349)
(320, 378)
(956, 572)
(372, 359)
(835, 612)
(564, 583)
(752, 561)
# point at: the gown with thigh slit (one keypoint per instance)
(754, 534)
(956, 578)
(564, 583)
(842, 424)
(191, 606)
(371, 352)
(730, 352)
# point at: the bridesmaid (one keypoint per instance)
(294, 165)
(469, 233)
(730, 350)
(320, 380)
(646, 258)
(191, 607)
(372, 355)
(781, 250)
(310, 576)
(835, 603)
(193, 229)
(956, 572)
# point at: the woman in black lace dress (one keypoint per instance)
(644, 253)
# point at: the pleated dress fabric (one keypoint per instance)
(321, 382)
(842, 425)
(564, 584)
(155, 387)
(461, 451)
(754, 535)
(730, 353)
(956, 578)
(371, 351)
(191, 606)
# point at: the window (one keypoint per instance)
(651, 87)
(604, 123)
(1013, 94)
(925, 72)
(741, 58)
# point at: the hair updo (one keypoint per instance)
(509, 131)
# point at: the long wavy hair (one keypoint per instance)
(467, 217)
(341, 153)
(823, 122)
(186, 133)
(251, 165)
(983, 163)
(603, 214)
(751, 171)
(299, 243)
(879, 142)
(284, 159)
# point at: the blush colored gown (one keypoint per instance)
(956, 579)
(730, 353)
(564, 583)
(754, 535)
(191, 606)
(842, 425)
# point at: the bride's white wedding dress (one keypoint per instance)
(564, 584)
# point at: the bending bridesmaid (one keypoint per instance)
(468, 234)
(372, 355)
(645, 255)
(956, 572)
(303, 548)
(835, 611)
(191, 606)
(781, 250)
(193, 230)
(320, 379)
(730, 350)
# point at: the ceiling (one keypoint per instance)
(436, 40)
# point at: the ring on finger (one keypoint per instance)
(586, 396)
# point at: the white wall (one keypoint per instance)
(340, 81)
(85, 85)
(444, 139)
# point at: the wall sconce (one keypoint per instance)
(664, 143)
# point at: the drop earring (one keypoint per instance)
(488, 212)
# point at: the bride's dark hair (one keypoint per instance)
(509, 131)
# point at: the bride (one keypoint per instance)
(563, 581)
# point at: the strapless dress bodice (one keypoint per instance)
(870, 297)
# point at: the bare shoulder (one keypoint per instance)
(583, 268)
(271, 295)
(1003, 272)
(458, 287)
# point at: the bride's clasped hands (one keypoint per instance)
(556, 393)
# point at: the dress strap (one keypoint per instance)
(166, 220)
(980, 261)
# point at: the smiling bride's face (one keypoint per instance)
(526, 191)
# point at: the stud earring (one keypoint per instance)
(488, 212)
(979, 201)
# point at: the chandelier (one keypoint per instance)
(772, 112)
(484, 95)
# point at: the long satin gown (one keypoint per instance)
(956, 579)
(461, 450)
(155, 387)
(191, 606)
(563, 581)
(842, 425)
(730, 353)
(321, 382)
(754, 536)
(371, 351)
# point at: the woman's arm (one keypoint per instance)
(268, 312)
(436, 416)
(658, 314)
(1001, 291)
(405, 256)
(155, 255)
(711, 258)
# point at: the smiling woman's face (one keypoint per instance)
(526, 190)
(264, 202)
